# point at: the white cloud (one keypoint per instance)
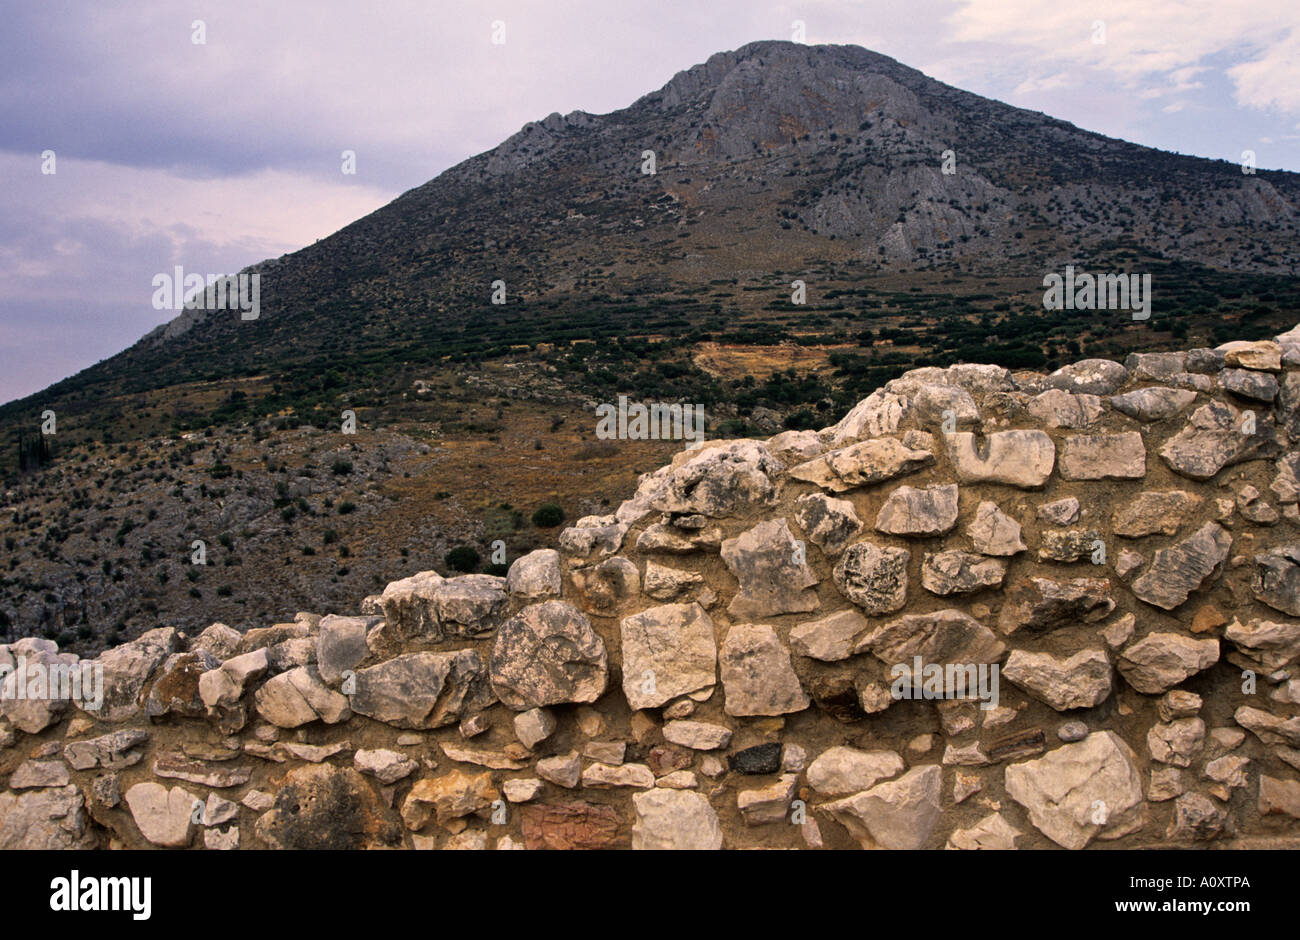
(1049, 83)
(1167, 40)
(55, 226)
(1272, 79)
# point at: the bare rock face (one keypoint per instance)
(1160, 661)
(408, 604)
(1060, 511)
(1278, 797)
(470, 604)
(384, 765)
(1079, 681)
(298, 697)
(1179, 703)
(114, 751)
(1269, 728)
(1218, 436)
(931, 510)
(1205, 361)
(1229, 770)
(1057, 408)
(934, 404)
(1078, 792)
(1039, 604)
(668, 652)
(31, 774)
(772, 572)
(757, 676)
(665, 583)
(1254, 386)
(563, 770)
(943, 637)
(873, 577)
(1089, 376)
(1176, 742)
(1104, 457)
(126, 670)
(993, 532)
(602, 587)
(548, 654)
(957, 572)
(1263, 355)
(697, 735)
(219, 640)
(1178, 571)
(721, 481)
(829, 523)
(674, 820)
(1196, 817)
(46, 819)
(176, 688)
(429, 605)
(536, 575)
(841, 770)
(1277, 578)
(899, 814)
(1288, 405)
(1263, 645)
(990, 833)
(1151, 513)
(794, 446)
(163, 815)
(1153, 403)
(862, 464)
(617, 775)
(1013, 458)
(767, 804)
(1068, 545)
(831, 638)
(423, 690)
(875, 416)
(324, 807)
(672, 540)
(1156, 367)
(448, 799)
(595, 536)
(341, 645)
(569, 826)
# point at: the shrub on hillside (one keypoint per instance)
(548, 515)
(463, 558)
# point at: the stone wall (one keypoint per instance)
(759, 649)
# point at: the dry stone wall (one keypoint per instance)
(763, 648)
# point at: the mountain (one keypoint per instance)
(775, 163)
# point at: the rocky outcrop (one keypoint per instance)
(760, 647)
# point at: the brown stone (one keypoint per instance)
(665, 758)
(568, 826)
(176, 689)
(1279, 797)
(1208, 618)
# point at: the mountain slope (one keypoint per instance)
(774, 161)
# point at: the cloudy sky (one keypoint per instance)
(217, 154)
